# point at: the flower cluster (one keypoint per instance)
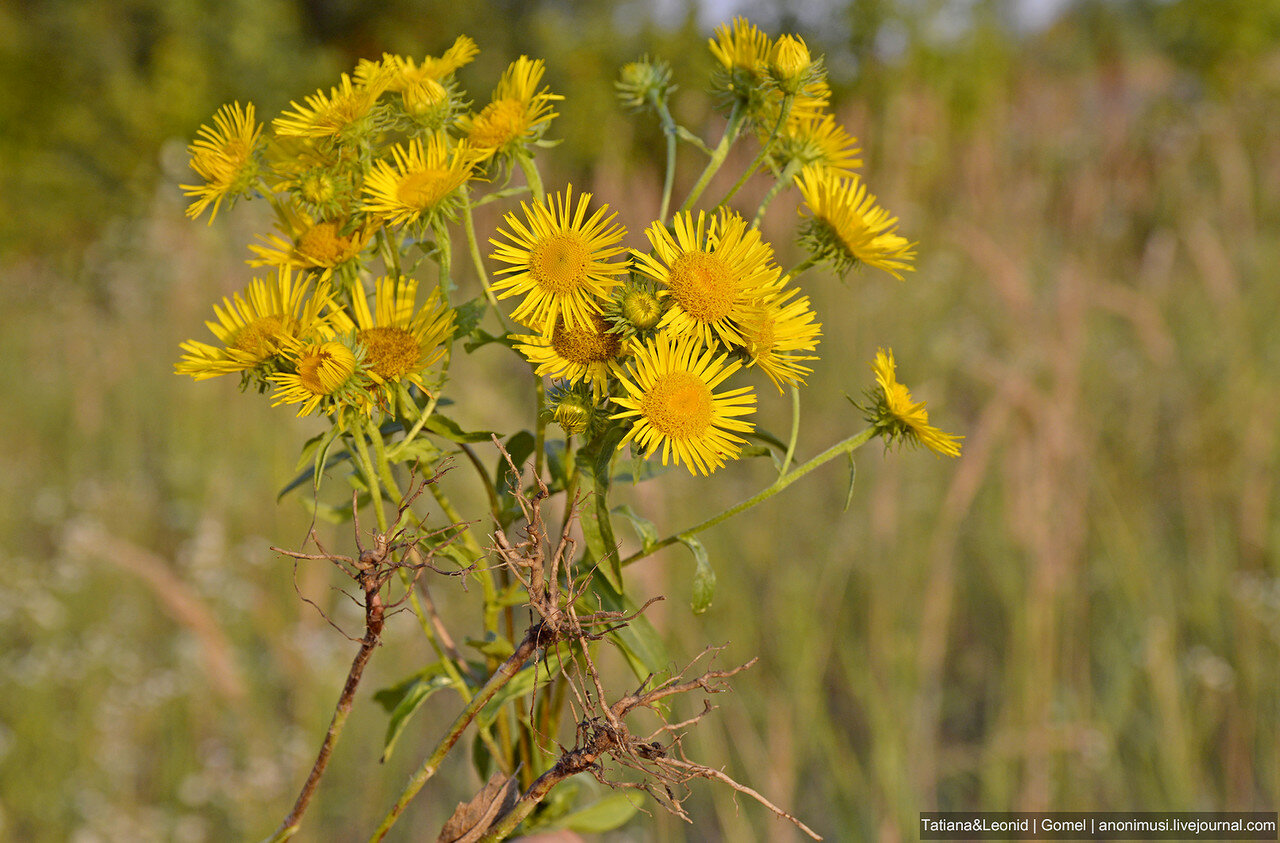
(368, 179)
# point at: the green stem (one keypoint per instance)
(482, 571)
(444, 258)
(845, 446)
(669, 131)
(799, 268)
(383, 465)
(783, 182)
(531, 175)
(370, 478)
(473, 246)
(795, 430)
(497, 680)
(412, 433)
(390, 253)
(718, 155)
(539, 425)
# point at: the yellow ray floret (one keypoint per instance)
(778, 333)
(898, 417)
(224, 157)
(331, 115)
(575, 354)
(255, 326)
(399, 341)
(307, 243)
(847, 227)
(327, 374)
(671, 401)
(517, 114)
(422, 180)
(559, 260)
(712, 269)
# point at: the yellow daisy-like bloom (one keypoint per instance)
(575, 354)
(711, 270)
(671, 399)
(404, 73)
(777, 333)
(422, 180)
(400, 343)
(740, 47)
(559, 258)
(817, 140)
(517, 114)
(342, 110)
(896, 416)
(327, 373)
(309, 244)
(848, 227)
(224, 156)
(254, 328)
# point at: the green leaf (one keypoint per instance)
(449, 429)
(468, 315)
(704, 578)
(391, 696)
(520, 447)
(321, 463)
(645, 530)
(853, 473)
(603, 815)
(640, 643)
(522, 683)
(483, 338)
(594, 461)
(481, 757)
(413, 699)
(493, 644)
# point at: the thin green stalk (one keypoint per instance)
(795, 431)
(669, 131)
(783, 112)
(539, 425)
(532, 176)
(383, 465)
(412, 433)
(782, 183)
(497, 680)
(390, 253)
(482, 571)
(473, 247)
(718, 155)
(799, 268)
(843, 447)
(444, 258)
(370, 478)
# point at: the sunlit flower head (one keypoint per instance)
(577, 355)
(224, 156)
(559, 260)
(672, 405)
(897, 417)
(780, 329)
(711, 270)
(635, 309)
(403, 73)
(253, 328)
(325, 375)
(399, 341)
(518, 113)
(847, 227)
(817, 140)
(343, 112)
(421, 181)
(307, 243)
(741, 46)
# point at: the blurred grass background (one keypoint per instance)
(1081, 613)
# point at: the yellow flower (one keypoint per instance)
(741, 47)
(517, 114)
(344, 111)
(224, 156)
(253, 328)
(819, 140)
(712, 270)
(776, 333)
(324, 373)
(399, 342)
(559, 258)
(790, 64)
(848, 227)
(896, 416)
(423, 180)
(308, 243)
(574, 354)
(671, 401)
(404, 73)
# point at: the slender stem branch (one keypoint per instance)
(370, 477)
(718, 155)
(843, 447)
(412, 433)
(500, 677)
(669, 131)
(532, 176)
(795, 431)
(799, 268)
(473, 246)
(782, 183)
(539, 426)
(783, 112)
